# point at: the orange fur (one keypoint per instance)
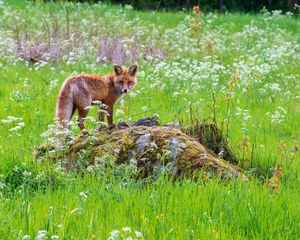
(78, 92)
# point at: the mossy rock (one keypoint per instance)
(150, 147)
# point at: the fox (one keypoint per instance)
(79, 91)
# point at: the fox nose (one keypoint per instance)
(125, 90)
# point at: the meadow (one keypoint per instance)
(240, 70)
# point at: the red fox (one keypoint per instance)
(79, 91)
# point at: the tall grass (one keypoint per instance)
(249, 63)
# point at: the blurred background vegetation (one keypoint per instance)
(210, 5)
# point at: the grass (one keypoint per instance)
(249, 62)
(161, 210)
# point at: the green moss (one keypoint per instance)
(152, 152)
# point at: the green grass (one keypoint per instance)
(160, 210)
(249, 62)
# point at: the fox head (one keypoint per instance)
(124, 78)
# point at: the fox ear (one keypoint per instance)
(118, 70)
(132, 70)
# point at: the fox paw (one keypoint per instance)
(85, 132)
(111, 126)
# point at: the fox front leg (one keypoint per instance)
(101, 115)
(110, 111)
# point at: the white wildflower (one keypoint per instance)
(11, 119)
(83, 195)
(42, 234)
(2, 185)
(126, 229)
(114, 234)
(138, 234)
(119, 112)
(27, 174)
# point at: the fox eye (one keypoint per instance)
(130, 83)
(121, 82)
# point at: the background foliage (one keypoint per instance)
(211, 5)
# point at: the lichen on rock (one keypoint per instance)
(152, 148)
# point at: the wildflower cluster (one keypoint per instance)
(63, 36)
(18, 124)
(125, 234)
(41, 235)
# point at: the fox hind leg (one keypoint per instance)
(64, 112)
(82, 112)
(83, 101)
